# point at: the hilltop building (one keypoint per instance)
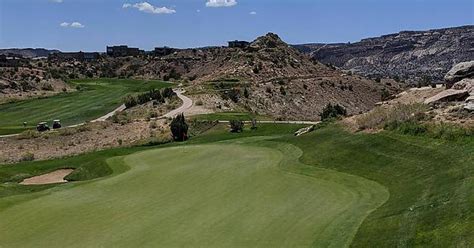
(163, 51)
(123, 51)
(11, 60)
(238, 44)
(78, 56)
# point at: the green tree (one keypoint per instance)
(332, 111)
(236, 126)
(179, 128)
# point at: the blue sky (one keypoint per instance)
(90, 25)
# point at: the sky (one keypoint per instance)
(90, 25)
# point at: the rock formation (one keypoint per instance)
(409, 55)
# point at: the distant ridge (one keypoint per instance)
(408, 55)
(29, 52)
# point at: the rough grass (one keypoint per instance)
(95, 98)
(383, 115)
(431, 184)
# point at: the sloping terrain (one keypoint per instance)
(196, 196)
(408, 55)
(430, 182)
(280, 81)
(94, 99)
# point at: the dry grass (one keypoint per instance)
(383, 115)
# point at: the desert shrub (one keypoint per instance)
(246, 93)
(168, 93)
(385, 95)
(121, 118)
(282, 91)
(199, 103)
(84, 128)
(447, 131)
(406, 127)
(332, 111)
(28, 134)
(234, 94)
(47, 87)
(66, 131)
(179, 128)
(236, 126)
(28, 157)
(382, 116)
(192, 77)
(130, 101)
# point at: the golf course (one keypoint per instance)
(94, 98)
(259, 188)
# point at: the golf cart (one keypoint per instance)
(56, 124)
(42, 127)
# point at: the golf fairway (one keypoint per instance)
(241, 193)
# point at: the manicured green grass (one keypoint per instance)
(95, 98)
(268, 189)
(195, 196)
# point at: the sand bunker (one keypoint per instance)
(52, 177)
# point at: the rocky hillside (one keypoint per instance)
(268, 77)
(408, 55)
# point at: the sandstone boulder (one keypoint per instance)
(460, 71)
(448, 95)
(465, 84)
(304, 130)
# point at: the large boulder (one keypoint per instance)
(448, 95)
(465, 84)
(459, 71)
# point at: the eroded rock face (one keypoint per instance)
(408, 55)
(459, 72)
(447, 96)
(465, 84)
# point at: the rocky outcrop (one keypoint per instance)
(304, 130)
(408, 55)
(460, 86)
(447, 96)
(459, 72)
(465, 84)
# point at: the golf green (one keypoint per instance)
(228, 194)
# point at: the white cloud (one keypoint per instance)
(198, 10)
(71, 25)
(56, 1)
(221, 3)
(77, 25)
(148, 8)
(253, 13)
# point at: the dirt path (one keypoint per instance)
(187, 104)
(105, 117)
(52, 177)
